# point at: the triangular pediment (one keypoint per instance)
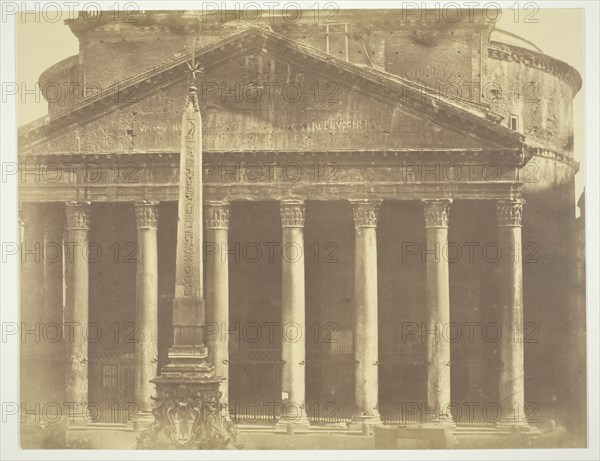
(263, 92)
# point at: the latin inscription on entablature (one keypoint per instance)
(104, 170)
(337, 125)
(156, 170)
(332, 172)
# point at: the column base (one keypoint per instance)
(442, 424)
(438, 421)
(365, 423)
(81, 417)
(142, 420)
(290, 425)
(437, 435)
(79, 422)
(512, 427)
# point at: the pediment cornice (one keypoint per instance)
(470, 119)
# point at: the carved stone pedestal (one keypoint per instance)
(187, 411)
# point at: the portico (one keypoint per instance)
(290, 254)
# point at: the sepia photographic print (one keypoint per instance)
(292, 226)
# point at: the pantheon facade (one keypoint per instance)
(389, 207)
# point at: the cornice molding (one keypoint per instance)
(381, 86)
(542, 152)
(512, 53)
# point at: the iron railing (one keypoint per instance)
(255, 387)
(111, 397)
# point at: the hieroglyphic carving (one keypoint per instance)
(189, 269)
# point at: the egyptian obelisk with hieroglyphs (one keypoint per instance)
(188, 411)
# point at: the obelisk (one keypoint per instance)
(188, 353)
(187, 412)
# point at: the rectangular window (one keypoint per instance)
(337, 40)
(514, 123)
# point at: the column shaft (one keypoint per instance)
(35, 359)
(217, 292)
(366, 355)
(512, 384)
(32, 267)
(77, 301)
(146, 303)
(53, 379)
(53, 269)
(438, 310)
(293, 314)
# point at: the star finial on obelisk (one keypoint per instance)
(194, 67)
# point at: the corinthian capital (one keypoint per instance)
(216, 215)
(365, 212)
(78, 215)
(292, 213)
(437, 212)
(146, 214)
(509, 212)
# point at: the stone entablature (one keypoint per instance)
(408, 175)
(550, 154)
